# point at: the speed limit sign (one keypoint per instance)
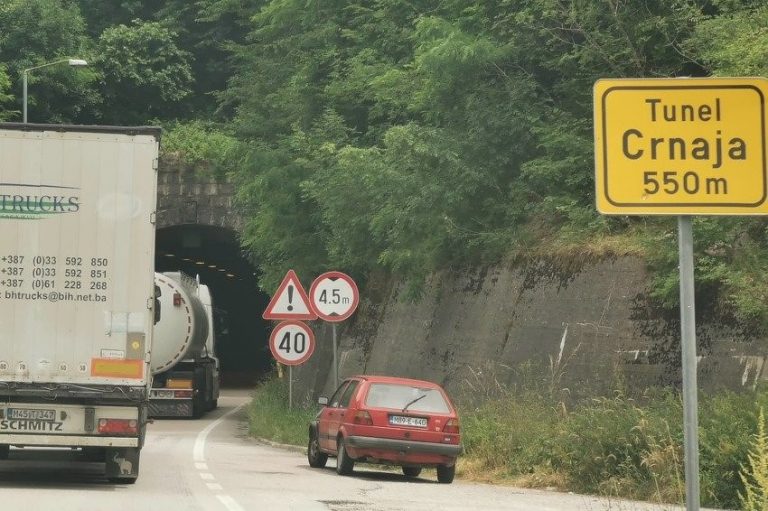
(292, 343)
(334, 296)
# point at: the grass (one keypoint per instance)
(270, 418)
(619, 447)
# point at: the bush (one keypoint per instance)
(270, 418)
(200, 146)
(755, 478)
(614, 446)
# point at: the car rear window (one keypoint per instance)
(415, 399)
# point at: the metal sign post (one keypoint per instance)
(688, 347)
(652, 157)
(290, 387)
(334, 297)
(335, 359)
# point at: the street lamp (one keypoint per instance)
(71, 62)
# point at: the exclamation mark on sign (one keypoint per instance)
(290, 297)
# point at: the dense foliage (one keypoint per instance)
(405, 136)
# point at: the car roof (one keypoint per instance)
(396, 379)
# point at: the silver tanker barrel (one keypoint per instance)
(183, 364)
(182, 330)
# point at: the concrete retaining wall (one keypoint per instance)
(586, 328)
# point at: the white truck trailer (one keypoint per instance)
(77, 209)
(184, 364)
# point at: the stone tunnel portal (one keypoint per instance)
(214, 254)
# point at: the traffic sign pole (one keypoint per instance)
(688, 347)
(335, 359)
(334, 297)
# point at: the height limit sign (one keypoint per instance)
(334, 296)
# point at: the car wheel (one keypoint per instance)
(445, 473)
(344, 464)
(315, 456)
(411, 471)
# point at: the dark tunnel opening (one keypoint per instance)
(214, 254)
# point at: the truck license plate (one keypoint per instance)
(31, 414)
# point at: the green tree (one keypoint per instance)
(5, 98)
(145, 74)
(34, 32)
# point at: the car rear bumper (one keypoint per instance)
(402, 447)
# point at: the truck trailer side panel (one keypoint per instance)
(77, 209)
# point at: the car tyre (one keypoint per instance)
(5, 451)
(445, 473)
(344, 464)
(411, 471)
(315, 456)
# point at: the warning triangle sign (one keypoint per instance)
(290, 301)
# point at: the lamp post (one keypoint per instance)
(71, 62)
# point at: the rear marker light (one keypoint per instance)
(118, 426)
(452, 426)
(363, 417)
(182, 393)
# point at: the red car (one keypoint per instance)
(386, 420)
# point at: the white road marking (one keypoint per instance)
(198, 454)
(229, 503)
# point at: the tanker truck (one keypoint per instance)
(183, 361)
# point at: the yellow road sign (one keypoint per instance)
(691, 146)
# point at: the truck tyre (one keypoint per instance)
(123, 480)
(344, 464)
(94, 454)
(5, 450)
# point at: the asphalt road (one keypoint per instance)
(210, 464)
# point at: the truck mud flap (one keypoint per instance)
(122, 464)
(171, 408)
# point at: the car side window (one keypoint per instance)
(336, 397)
(348, 393)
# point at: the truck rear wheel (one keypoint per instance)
(123, 480)
(5, 451)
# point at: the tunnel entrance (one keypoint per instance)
(214, 254)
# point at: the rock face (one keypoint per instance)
(579, 329)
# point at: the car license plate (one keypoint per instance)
(399, 420)
(31, 414)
